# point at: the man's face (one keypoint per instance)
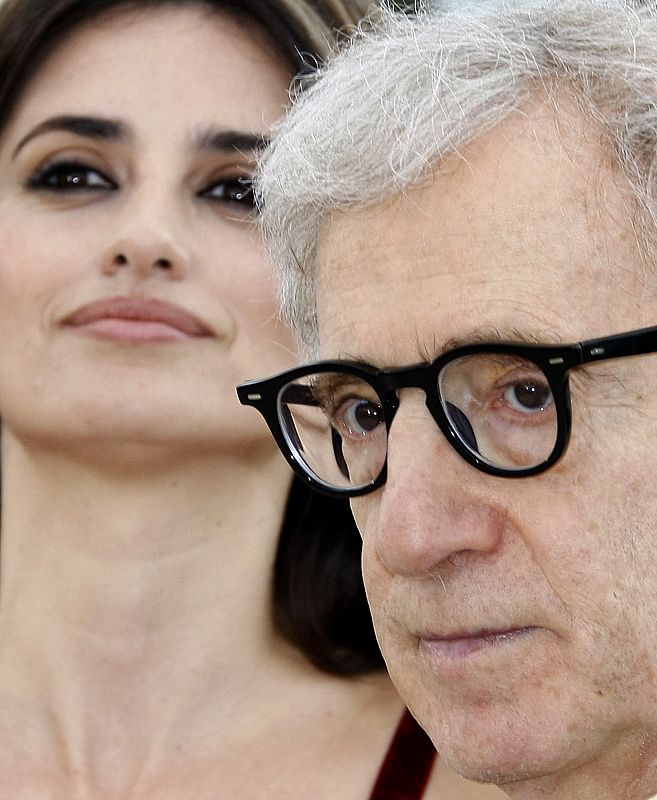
(518, 617)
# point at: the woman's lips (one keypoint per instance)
(462, 645)
(137, 319)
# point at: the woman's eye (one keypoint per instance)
(232, 190)
(70, 176)
(528, 396)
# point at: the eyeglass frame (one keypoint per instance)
(555, 361)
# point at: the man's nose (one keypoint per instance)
(148, 238)
(434, 505)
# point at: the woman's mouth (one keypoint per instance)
(136, 319)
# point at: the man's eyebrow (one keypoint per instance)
(489, 334)
(495, 335)
(228, 141)
(90, 127)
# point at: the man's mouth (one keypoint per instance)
(462, 644)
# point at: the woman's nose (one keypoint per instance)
(147, 242)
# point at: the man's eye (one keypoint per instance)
(70, 176)
(231, 190)
(359, 416)
(528, 396)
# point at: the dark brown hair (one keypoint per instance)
(318, 597)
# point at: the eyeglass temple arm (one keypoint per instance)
(294, 395)
(632, 343)
(299, 395)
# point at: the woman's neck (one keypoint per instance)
(150, 587)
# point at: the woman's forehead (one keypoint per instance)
(179, 65)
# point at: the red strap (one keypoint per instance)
(407, 765)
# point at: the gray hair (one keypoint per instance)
(404, 97)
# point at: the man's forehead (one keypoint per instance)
(540, 164)
(520, 232)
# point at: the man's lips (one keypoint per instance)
(137, 318)
(462, 644)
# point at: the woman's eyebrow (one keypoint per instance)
(91, 127)
(102, 128)
(224, 141)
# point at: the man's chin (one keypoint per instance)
(504, 776)
(502, 750)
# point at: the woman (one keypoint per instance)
(141, 505)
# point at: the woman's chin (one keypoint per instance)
(131, 434)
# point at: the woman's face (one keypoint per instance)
(133, 290)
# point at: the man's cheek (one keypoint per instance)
(365, 510)
(376, 579)
(375, 576)
(378, 587)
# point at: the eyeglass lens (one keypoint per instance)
(335, 426)
(499, 406)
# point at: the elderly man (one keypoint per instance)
(463, 208)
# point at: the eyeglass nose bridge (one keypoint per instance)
(425, 378)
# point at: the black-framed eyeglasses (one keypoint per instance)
(504, 407)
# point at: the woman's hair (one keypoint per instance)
(303, 31)
(318, 597)
(403, 102)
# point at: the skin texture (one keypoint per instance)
(528, 237)
(158, 210)
(141, 503)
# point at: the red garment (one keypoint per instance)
(407, 765)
